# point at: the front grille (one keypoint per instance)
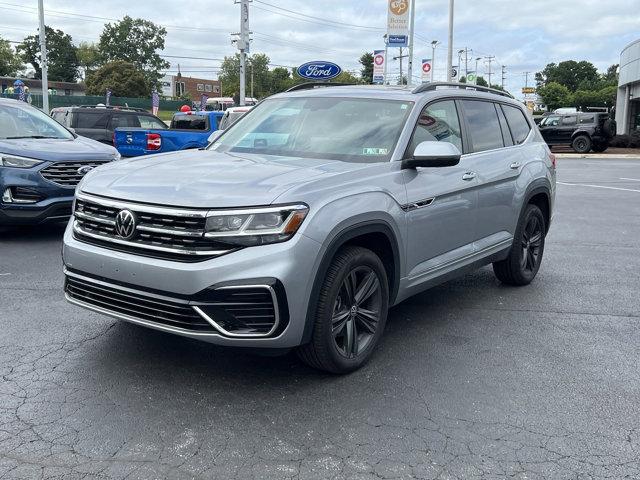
(173, 313)
(232, 311)
(174, 234)
(66, 173)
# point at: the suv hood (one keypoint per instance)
(207, 179)
(58, 150)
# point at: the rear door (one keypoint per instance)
(442, 201)
(567, 127)
(497, 159)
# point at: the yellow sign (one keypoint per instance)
(526, 90)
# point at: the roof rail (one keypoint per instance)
(426, 87)
(114, 107)
(312, 85)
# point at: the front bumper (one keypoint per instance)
(289, 265)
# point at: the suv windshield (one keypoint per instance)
(347, 129)
(29, 122)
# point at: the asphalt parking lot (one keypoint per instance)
(472, 380)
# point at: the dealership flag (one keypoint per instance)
(107, 97)
(21, 94)
(155, 102)
(426, 69)
(397, 23)
(203, 101)
(378, 66)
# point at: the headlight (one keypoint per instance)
(18, 162)
(255, 226)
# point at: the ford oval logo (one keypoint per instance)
(319, 70)
(84, 170)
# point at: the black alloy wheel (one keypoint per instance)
(531, 242)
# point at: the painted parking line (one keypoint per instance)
(598, 186)
(3, 274)
(632, 179)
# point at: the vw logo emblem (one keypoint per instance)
(84, 170)
(125, 224)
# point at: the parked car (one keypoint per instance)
(41, 162)
(232, 115)
(302, 224)
(188, 130)
(100, 122)
(583, 131)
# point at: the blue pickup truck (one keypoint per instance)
(187, 130)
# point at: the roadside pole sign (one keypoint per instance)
(107, 97)
(528, 90)
(397, 23)
(378, 66)
(155, 102)
(454, 73)
(472, 78)
(426, 69)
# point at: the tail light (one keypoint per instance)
(552, 157)
(154, 141)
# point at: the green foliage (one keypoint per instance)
(366, 73)
(123, 78)
(88, 57)
(10, 62)
(569, 73)
(135, 41)
(62, 57)
(554, 95)
(481, 82)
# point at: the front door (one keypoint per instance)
(441, 200)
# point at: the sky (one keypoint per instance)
(523, 35)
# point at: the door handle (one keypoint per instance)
(469, 176)
(515, 165)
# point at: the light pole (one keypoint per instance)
(450, 46)
(43, 59)
(477, 73)
(386, 58)
(434, 44)
(410, 67)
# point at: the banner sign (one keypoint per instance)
(107, 98)
(398, 23)
(203, 102)
(378, 66)
(319, 70)
(528, 90)
(155, 102)
(426, 69)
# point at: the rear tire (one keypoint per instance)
(581, 144)
(525, 256)
(350, 314)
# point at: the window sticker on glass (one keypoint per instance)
(374, 151)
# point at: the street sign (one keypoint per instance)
(472, 78)
(454, 73)
(319, 70)
(378, 66)
(426, 69)
(527, 90)
(397, 23)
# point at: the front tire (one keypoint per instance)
(351, 312)
(525, 256)
(581, 144)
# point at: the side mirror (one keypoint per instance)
(433, 154)
(215, 135)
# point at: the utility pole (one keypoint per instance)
(412, 21)
(504, 75)
(489, 60)
(386, 58)
(477, 73)
(400, 57)
(43, 59)
(450, 46)
(243, 46)
(526, 79)
(251, 66)
(434, 44)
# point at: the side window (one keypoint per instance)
(150, 122)
(504, 126)
(587, 119)
(484, 126)
(569, 121)
(437, 122)
(518, 123)
(124, 121)
(91, 120)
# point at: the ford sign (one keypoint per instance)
(319, 70)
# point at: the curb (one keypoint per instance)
(595, 155)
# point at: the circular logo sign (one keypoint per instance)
(378, 59)
(398, 7)
(125, 225)
(84, 169)
(426, 67)
(319, 70)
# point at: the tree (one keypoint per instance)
(10, 62)
(570, 73)
(124, 79)
(135, 41)
(62, 60)
(88, 57)
(481, 82)
(256, 65)
(611, 76)
(554, 95)
(366, 73)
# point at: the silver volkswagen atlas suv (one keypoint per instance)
(303, 223)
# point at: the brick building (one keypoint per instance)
(177, 85)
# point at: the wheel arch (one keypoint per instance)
(539, 194)
(367, 234)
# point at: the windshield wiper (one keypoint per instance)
(28, 136)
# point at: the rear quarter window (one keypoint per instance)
(518, 123)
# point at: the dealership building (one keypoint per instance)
(628, 104)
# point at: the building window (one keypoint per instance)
(179, 89)
(67, 91)
(207, 87)
(216, 89)
(200, 87)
